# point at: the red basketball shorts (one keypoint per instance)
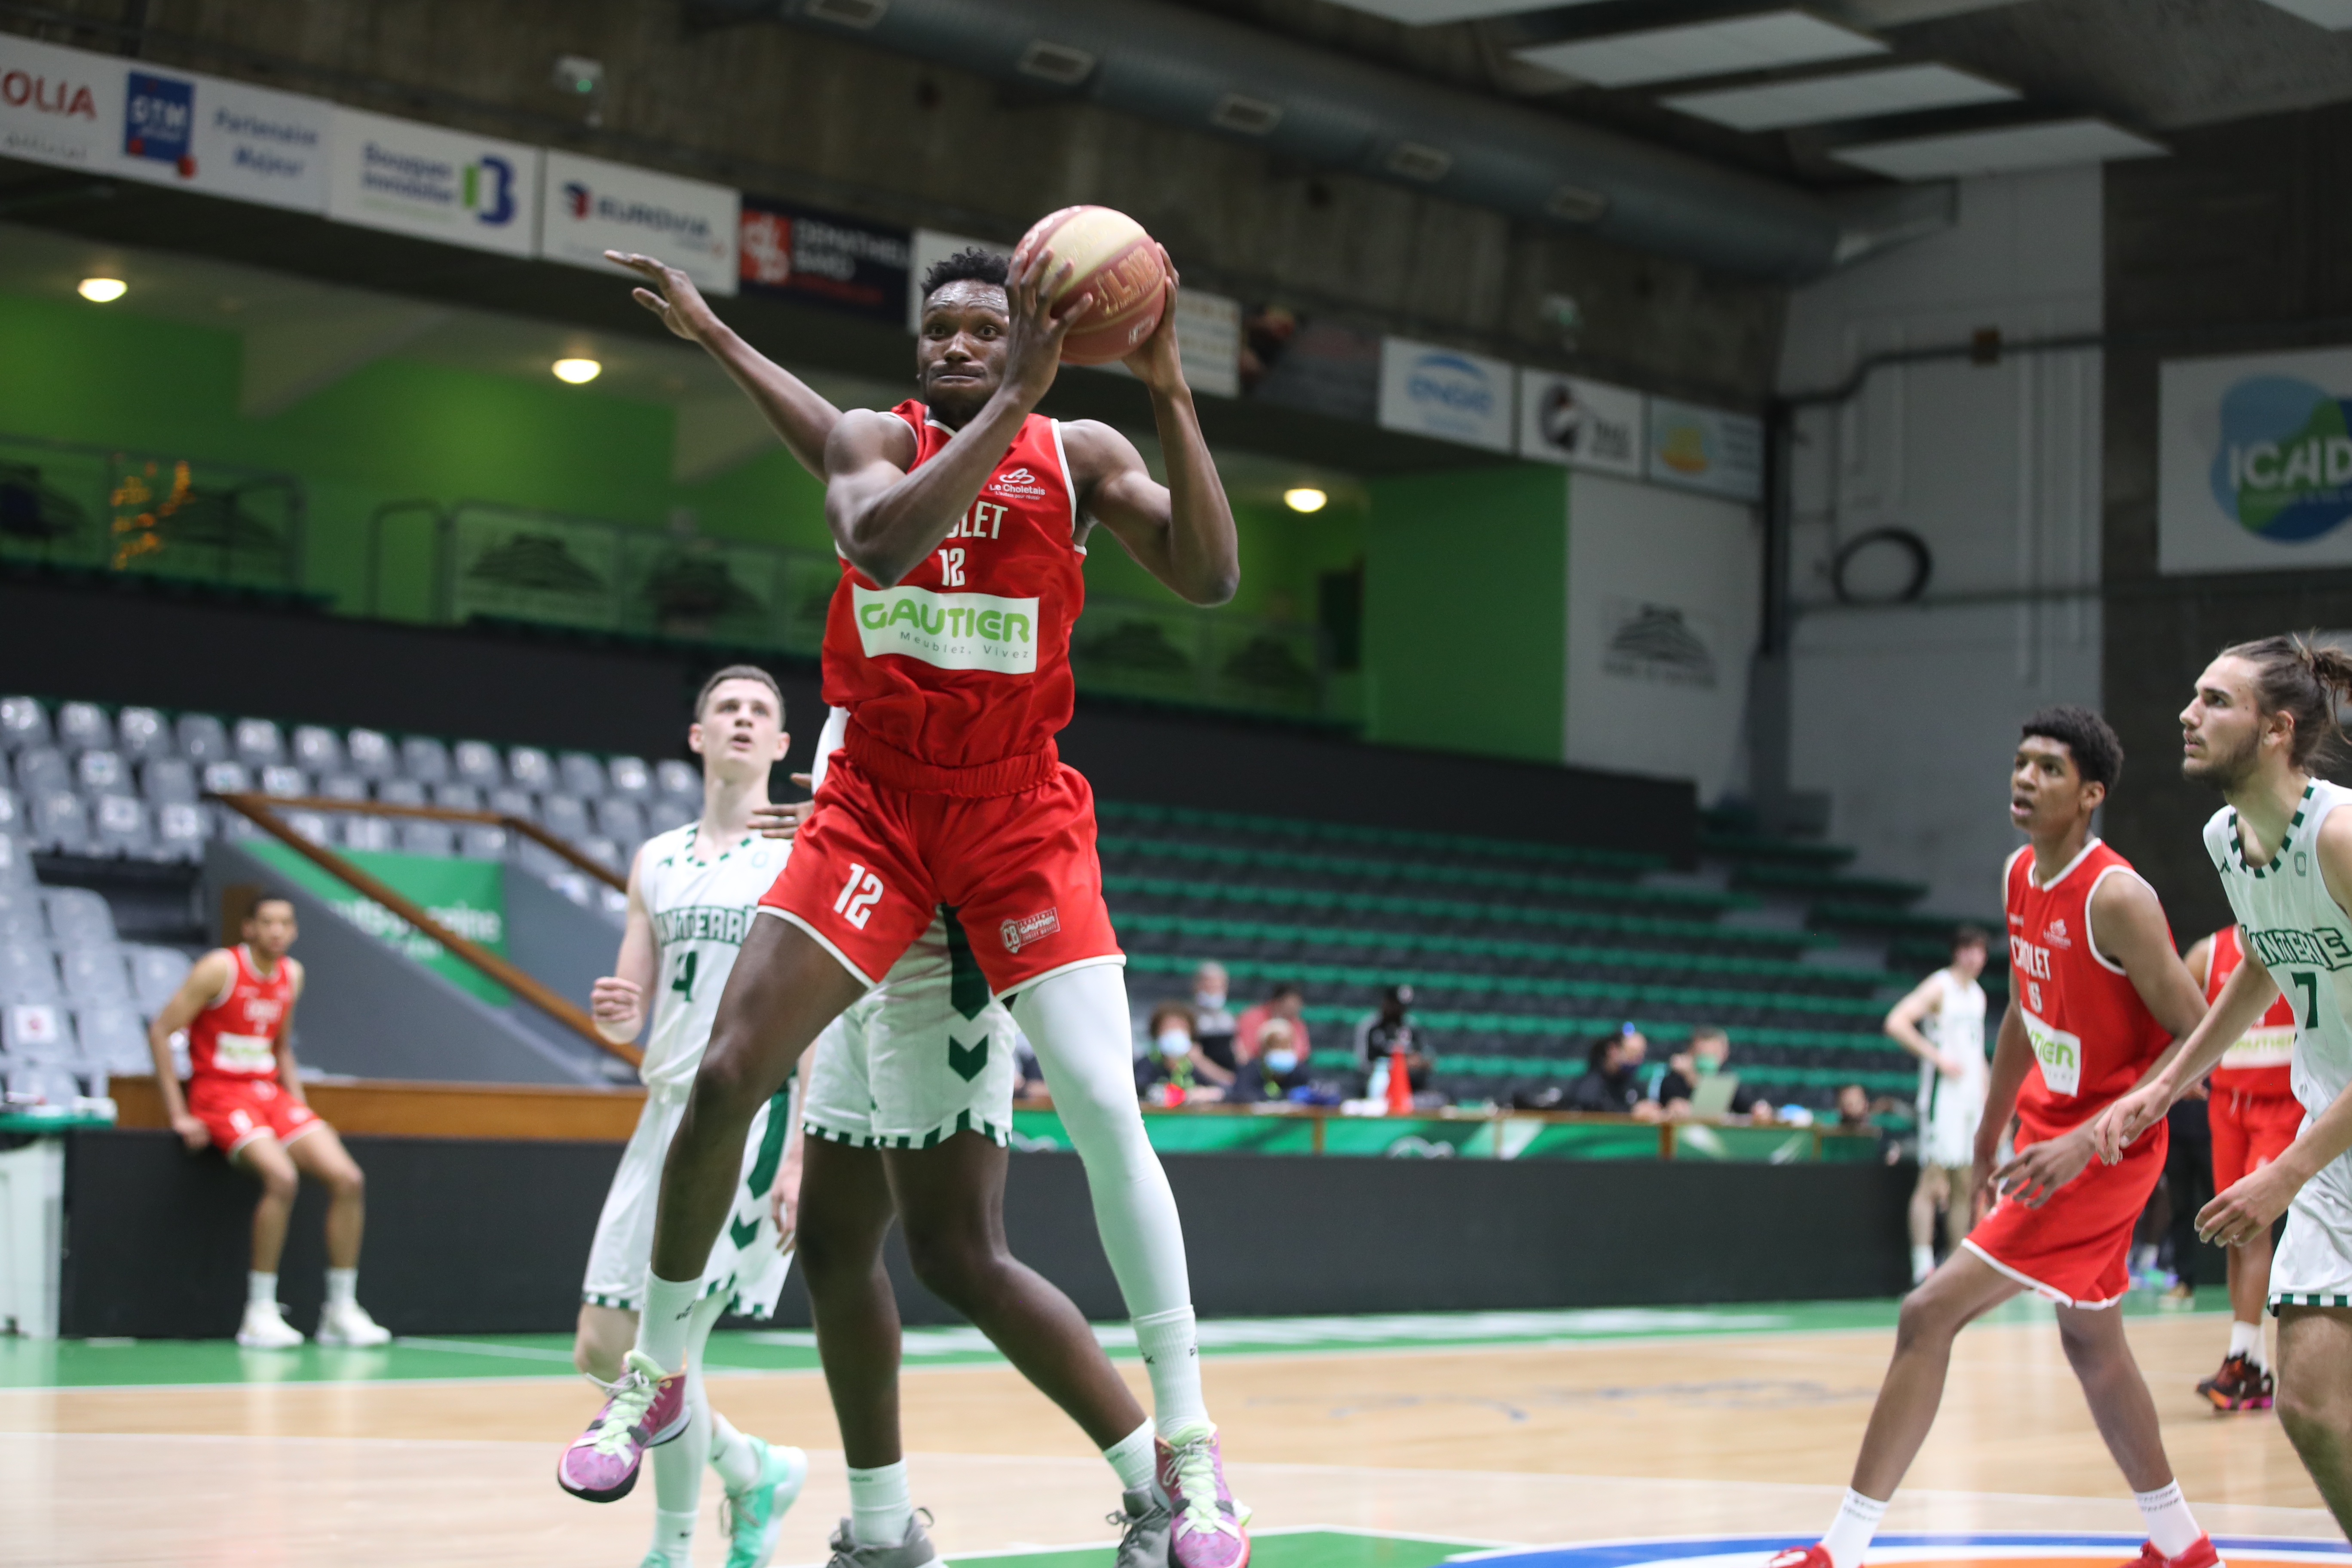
(237, 1110)
(2076, 1248)
(1019, 871)
(2249, 1130)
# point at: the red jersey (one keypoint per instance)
(2093, 1036)
(2261, 1062)
(236, 1036)
(966, 661)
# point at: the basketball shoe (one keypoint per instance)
(349, 1324)
(2200, 1554)
(2239, 1385)
(1143, 1522)
(914, 1552)
(265, 1330)
(647, 1409)
(753, 1517)
(1209, 1530)
(1813, 1556)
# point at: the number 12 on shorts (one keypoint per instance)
(858, 896)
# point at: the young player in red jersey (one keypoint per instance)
(2098, 1000)
(961, 520)
(2251, 1108)
(245, 1099)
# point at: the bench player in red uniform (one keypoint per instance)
(2098, 1002)
(2255, 1115)
(245, 1099)
(961, 520)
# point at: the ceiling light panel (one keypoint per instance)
(1761, 42)
(1817, 100)
(1420, 13)
(2051, 145)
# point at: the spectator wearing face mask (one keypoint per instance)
(1175, 1069)
(1288, 1002)
(1213, 1024)
(1278, 1068)
(1611, 1083)
(1709, 1047)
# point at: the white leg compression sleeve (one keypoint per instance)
(677, 1464)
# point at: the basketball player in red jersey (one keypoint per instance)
(2098, 1002)
(245, 1099)
(961, 520)
(2255, 1115)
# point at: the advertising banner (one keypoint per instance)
(224, 138)
(468, 897)
(1209, 340)
(823, 259)
(1583, 424)
(1445, 393)
(1696, 449)
(59, 106)
(588, 207)
(2256, 473)
(422, 180)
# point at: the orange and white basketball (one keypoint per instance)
(1113, 257)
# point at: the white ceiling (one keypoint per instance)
(2000, 151)
(1852, 95)
(1761, 42)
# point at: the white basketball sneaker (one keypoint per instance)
(348, 1324)
(265, 1330)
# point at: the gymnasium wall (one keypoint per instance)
(1905, 716)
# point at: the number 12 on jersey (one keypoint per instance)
(858, 896)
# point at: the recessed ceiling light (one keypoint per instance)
(1703, 49)
(2050, 145)
(101, 290)
(1856, 95)
(1305, 498)
(577, 371)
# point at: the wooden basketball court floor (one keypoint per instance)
(1360, 1443)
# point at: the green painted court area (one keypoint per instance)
(99, 1364)
(1310, 1546)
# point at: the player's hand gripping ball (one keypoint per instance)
(1111, 257)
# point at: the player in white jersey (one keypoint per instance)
(2261, 713)
(1941, 1022)
(691, 894)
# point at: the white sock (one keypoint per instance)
(1923, 1263)
(662, 1326)
(732, 1455)
(677, 1464)
(1132, 1457)
(1849, 1534)
(342, 1285)
(673, 1534)
(261, 1289)
(2169, 1523)
(1172, 1354)
(2246, 1339)
(879, 1507)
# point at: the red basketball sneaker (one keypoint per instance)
(646, 1410)
(2239, 1385)
(1813, 1556)
(2200, 1554)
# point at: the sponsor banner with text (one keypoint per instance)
(422, 180)
(1445, 393)
(2256, 467)
(468, 897)
(59, 106)
(1696, 449)
(823, 259)
(589, 206)
(1583, 424)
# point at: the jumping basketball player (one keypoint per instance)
(2095, 989)
(2261, 713)
(245, 1099)
(1078, 1016)
(1942, 1023)
(2254, 1116)
(691, 894)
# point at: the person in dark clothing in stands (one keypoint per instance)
(1278, 1068)
(1212, 1021)
(1381, 1033)
(1704, 1058)
(1611, 1083)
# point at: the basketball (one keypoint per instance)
(1114, 257)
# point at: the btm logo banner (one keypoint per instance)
(157, 116)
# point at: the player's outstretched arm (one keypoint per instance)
(618, 1002)
(2245, 996)
(2012, 1056)
(1902, 1022)
(208, 978)
(800, 419)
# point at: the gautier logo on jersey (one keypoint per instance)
(1018, 934)
(2285, 468)
(949, 631)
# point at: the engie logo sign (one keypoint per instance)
(2256, 462)
(1434, 390)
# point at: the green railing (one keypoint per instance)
(152, 514)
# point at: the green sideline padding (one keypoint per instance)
(1434, 1138)
(468, 897)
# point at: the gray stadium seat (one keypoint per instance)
(513, 802)
(312, 825)
(457, 796)
(284, 781)
(16, 861)
(21, 919)
(141, 734)
(77, 915)
(44, 1083)
(630, 778)
(155, 976)
(673, 778)
(181, 829)
(341, 786)
(581, 774)
(621, 821)
(12, 814)
(476, 762)
(258, 743)
(227, 778)
(369, 833)
(60, 823)
(371, 753)
(40, 769)
(84, 726)
(418, 837)
(606, 853)
(164, 779)
(530, 769)
(119, 825)
(482, 843)
(564, 816)
(28, 973)
(400, 792)
(671, 811)
(317, 750)
(114, 1040)
(203, 738)
(101, 773)
(23, 722)
(423, 758)
(94, 973)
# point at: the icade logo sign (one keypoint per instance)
(2285, 468)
